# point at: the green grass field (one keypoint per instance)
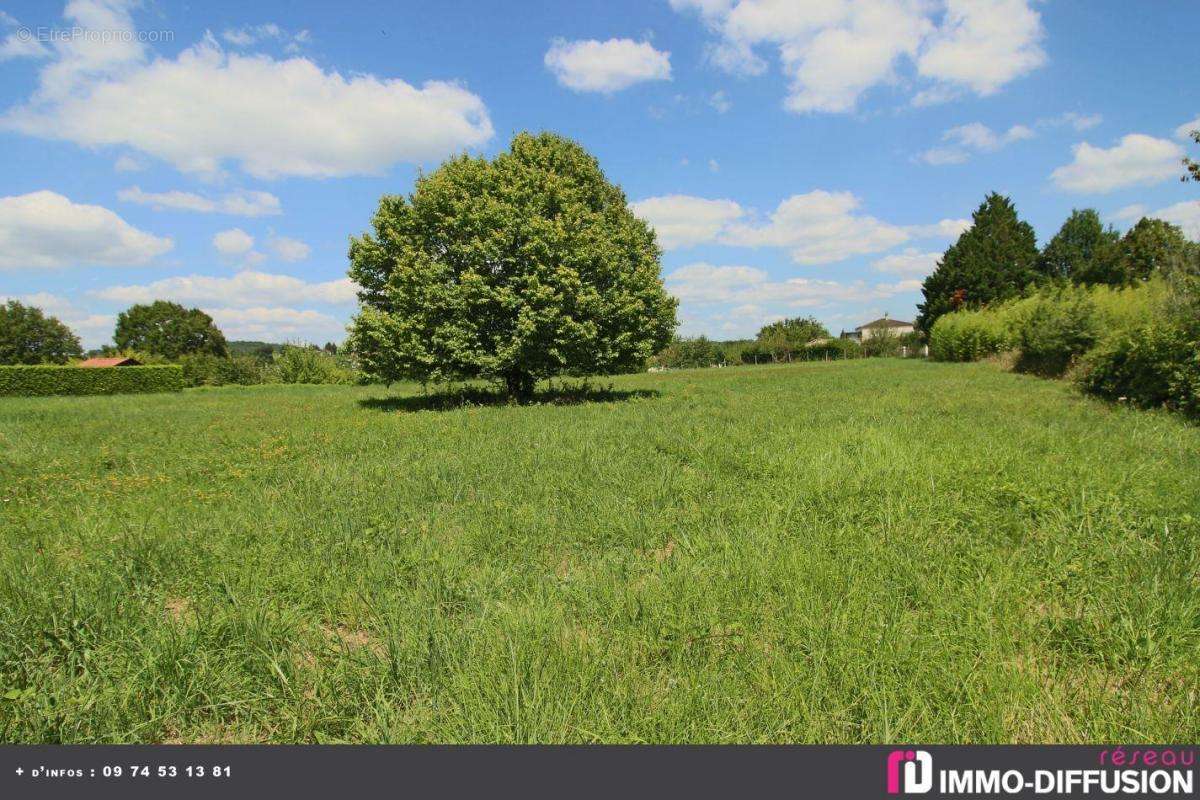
(856, 552)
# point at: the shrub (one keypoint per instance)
(833, 350)
(1154, 365)
(689, 353)
(42, 380)
(881, 342)
(969, 335)
(1054, 329)
(297, 364)
(202, 369)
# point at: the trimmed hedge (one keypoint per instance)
(42, 380)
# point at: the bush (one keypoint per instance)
(201, 369)
(832, 350)
(689, 353)
(1155, 365)
(969, 335)
(881, 343)
(1053, 330)
(42, 380)
(297, 364)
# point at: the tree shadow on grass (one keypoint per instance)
(478, 397)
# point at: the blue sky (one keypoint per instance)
(795, 157)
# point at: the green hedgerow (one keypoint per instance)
(44, 379)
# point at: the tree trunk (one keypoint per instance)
(520, 386)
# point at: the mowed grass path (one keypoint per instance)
(855, 552)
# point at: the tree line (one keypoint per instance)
(997, 258)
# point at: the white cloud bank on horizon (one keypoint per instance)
(817, 227)
(705, 284)
(247, 288)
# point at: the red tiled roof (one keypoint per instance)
(109, 362)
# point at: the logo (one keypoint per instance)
(916, 777)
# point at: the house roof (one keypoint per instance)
(884, 322)
(109, 362)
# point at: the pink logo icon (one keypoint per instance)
(916, 777)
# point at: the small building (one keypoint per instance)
(893, 326)
(109, 362)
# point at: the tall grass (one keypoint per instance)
(862, 551)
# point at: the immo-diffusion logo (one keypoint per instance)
(909, 772)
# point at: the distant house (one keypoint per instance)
(864, 332)
(109, 362)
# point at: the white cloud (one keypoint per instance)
(975, 137)
(275, 324)
(22, 45)
(1137, 160)
(1078, 121)
(233, 242)
(246, 288)
(1185, 214)
(683, 220)
(205, 107)
(713, 166)
(983, 44)
(290, 249)
(818, 227)
(837, 50)
(240, 203)
(720, 101)
(705, 284)
(127, 163)
(246, 36)
(594, 66)
(910, 261)
(46, 230)
(1184, 131)
(943, 229)
(1130, 213)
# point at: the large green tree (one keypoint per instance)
(1079, 247)
(27, 336)
(1150, 247)
(512, 269)
(168, 330)
(785, 337)
(994, 259)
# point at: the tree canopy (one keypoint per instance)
(1151, 246)
(27, 336)
(168, 330)
(1079, 245)
(786, 337)
(1193, 167)
(513, 269)
(994, 259)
